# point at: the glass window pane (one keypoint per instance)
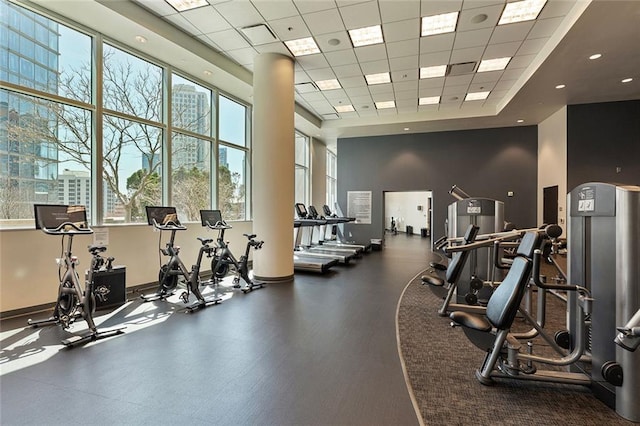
(190, 106)
(301, 185)
(232, 122)
(45, 156)
(131, 85)
(231, 183)
(132, 169)
(191, 174)
(302, 150)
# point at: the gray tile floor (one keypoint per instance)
(320, 351)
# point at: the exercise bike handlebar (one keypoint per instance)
(221, 224)
(169, 226)
(67, 228)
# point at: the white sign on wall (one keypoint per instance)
(359, 206)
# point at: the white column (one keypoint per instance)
(273, 166)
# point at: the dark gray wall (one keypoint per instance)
(485, 163)
(600, 138)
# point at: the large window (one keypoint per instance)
(302, 169)
(332, 180)
(156, 127)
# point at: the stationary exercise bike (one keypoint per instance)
(73, 301)
(223, 259)
(166, 219)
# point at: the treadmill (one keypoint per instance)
(331, 221)
(304, 239)
(302, 262)
(331, 242)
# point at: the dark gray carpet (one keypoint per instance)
(440, 364)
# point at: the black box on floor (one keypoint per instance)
(110, 287)
(409, 230)
(376, 244)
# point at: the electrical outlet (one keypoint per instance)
(510, 194)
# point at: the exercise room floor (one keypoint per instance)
(320, 351)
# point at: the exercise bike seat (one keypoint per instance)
(97, 249)
(205, 241)
(250, 236)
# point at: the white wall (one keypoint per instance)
(403, 206)
(552, 162)
(29, 274)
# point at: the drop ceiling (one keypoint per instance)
(223, 36)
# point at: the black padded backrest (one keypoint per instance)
(460, 258)
(529, 242)
(505, 300)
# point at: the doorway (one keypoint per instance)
(550, 205)
(410, 210)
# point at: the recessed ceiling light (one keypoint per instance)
(366, 36)
(435, 71)
(595, 56)
(520, 121)
(182, 5)
(431, 100)
(344, 108)
(207, 72)
(560, 86)
(519, 11)
(328, 84)
(385, 104)
(476, 96)
(493, 64)
(141, 39)
(380, 78)
(627, 80)
(302, 46)
(406, 128)
(438, 24)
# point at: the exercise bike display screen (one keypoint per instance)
(50, 216)
(162, 215)
(210, 217)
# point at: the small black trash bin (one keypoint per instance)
(424, 232)
(409, 230)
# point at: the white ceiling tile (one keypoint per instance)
(368, 112)
(436, 43)
(428, 108)
(206, 19)
(275, 9)
(308, 6)
(291, 28)
(405, 75)
(229, 40)
(371, 53)
(407, 103)
(452, 101)
(374, 67)
(520, 61)
(321, 74)
(312, 97)
(405, 86)
(475, 4)
(511, 32)
(312, 62)
(532, 47)
(205, 39)
(387, 111)
(459, 80)
(300, 76)
(511, 74)
(239, 13)
(360, 15)
(341, 57)
(432, 59)
(182, 23)
(336, 95)
(557, 8)
(480, 87)
(436, 7)
(354, 82)
(333, 41)
(243, 56)
(501, 50)
(381, 89)
(475, 38)
(362, 100)
(504, 84)
(347, 70)
(406, 94)
(401, 30)
(161, 8)
(326, 21)
(393, 10)
(545, 27)
(471, 54)
(405, 63)
(273, 48)
(322, 107)
(430, 83)
(487, 77)
(358, 91)
(454, 90)
(403, 48)
(468, 16)
(424, 92)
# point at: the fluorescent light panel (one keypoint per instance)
(380, 78)
(385, 104)
(182, 5)
(344, 108)
(366, 36)
(519, 11)
(435, 71)
(438, 24)
(302, 46)
(476, 96)
(431, 100)
(328, 84)
(493, 64)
